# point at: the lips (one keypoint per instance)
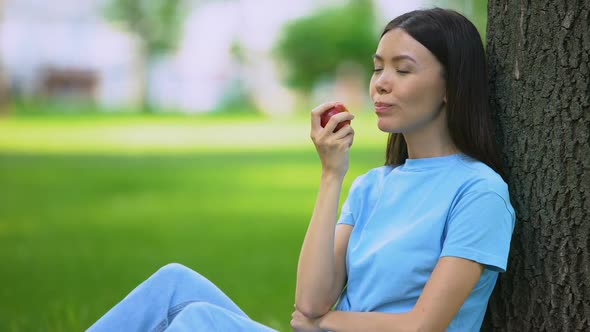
(383, 107)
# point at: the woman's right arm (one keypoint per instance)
(321, 272)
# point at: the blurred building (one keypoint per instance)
(64, 48)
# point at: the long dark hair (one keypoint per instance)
(456, 44)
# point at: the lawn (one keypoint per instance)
(90, 206)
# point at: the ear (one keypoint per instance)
(445, 99)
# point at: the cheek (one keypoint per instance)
(437, 86)
(409, 93)
(425, 92)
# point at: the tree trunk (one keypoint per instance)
(4, 93)
(143, 72)
(538, 55)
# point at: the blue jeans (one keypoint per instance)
(176, 298)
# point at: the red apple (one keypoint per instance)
(325, 117)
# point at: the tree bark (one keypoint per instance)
(538, 56)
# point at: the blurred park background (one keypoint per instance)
(135, 133)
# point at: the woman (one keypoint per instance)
(419, 241)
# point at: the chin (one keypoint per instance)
(388, 127)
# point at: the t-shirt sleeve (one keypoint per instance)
(480, 229)
(350, 207)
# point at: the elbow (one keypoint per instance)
(313, 303)
(312, 310)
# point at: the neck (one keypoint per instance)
(432, 141)
(431, 152)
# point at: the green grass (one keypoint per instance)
(128, 133)
(82, 223)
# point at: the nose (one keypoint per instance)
(383, 84)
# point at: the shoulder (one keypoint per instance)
(372, 177)
(480, 179)
(370, 183)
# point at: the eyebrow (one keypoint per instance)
(395, 58)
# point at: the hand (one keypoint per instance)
(301, 323)
(333, 148)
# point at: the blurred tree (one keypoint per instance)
(476, 11)
(158, 25)
(314, 47)
(237, 96)
(539, 60)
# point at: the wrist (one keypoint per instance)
(330, 177)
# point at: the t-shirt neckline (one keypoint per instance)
(428, 163)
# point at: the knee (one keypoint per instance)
(173, 271)
(174, 268)
(177, 272)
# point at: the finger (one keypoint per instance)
(351, 141)
(336, 119)
(316, 114)
(296, 325)
(343, 132)
(347, 140)
(321, 108)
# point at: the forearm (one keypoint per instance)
(446, 291)
(315, 271)
(344, 321)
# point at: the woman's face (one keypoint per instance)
(407, 87)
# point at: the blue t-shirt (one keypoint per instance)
(405, 218)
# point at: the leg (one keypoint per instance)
(201, 316)
(155, 302)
